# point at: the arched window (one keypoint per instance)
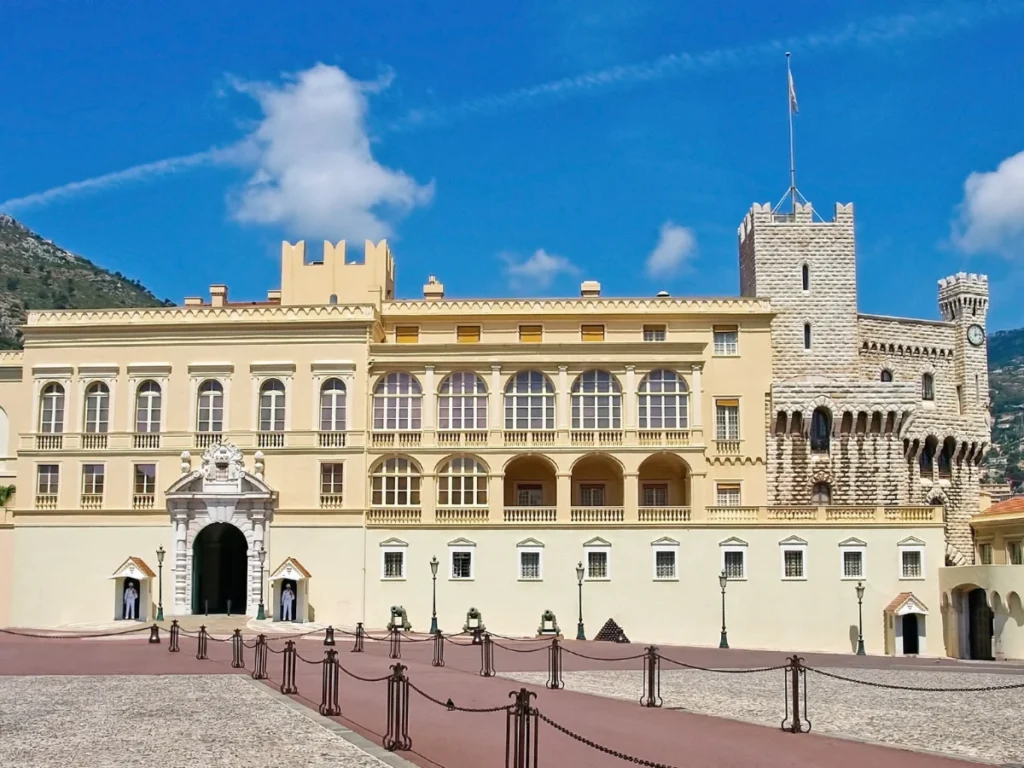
(927, 387)
(97, 408)
(807, 335)
(462, 482)
(398, 403)
(821, 494)
(805, 274)
(395, 483)
(663, 401)
(332, 406)
(886, 374)
(596, 401)
(927, 458)
(51, 409)
(210, 407)
(148, 401)
(272, 406)
(821, 430)
(529, 401)
(463, 402)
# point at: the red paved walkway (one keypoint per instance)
(459, 739)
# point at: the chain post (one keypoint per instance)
(259, 664)
(358, 646)
(288, 672)
(487, 656)
(396, 644)
(172, 644)
(477, 636)
(154, 635)
(237, 650)
(438, 660)
(329, 706)
(555, 682)
(201, 650)
(652, 678)
(329, 637)
(795, 687)
(521, 731)
(397, 736)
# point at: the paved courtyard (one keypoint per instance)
(172, 721)
(982, 726)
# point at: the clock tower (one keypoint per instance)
(963, 300)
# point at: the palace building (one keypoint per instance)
(334, 439)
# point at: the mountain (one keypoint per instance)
(1006, 382)
(36, 274)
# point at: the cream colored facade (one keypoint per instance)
(353, 437)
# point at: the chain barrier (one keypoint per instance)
(329, 706)
(218, 639)
(411, 639)
(201, 649)
(361, 679)
(304, 660)
(600, 748)
(259, 664)
(397, 735)
(521, 749)
(438, 660)
(555, 681)
(395, 652)
(154, 635)
(794, 683)
(448, 639)
(521, 650)
(651, 696)
(451, 706)
(894, 687)
(724, 671)
(288, 670)
(486, 656)
(36, 636)
(172, 643)
(237, 650)
(599, 658)
(357, 647)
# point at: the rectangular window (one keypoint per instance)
(853, 564)
(531, 334)
(529, 565)
(960, 399)
(529, 495)
(407, 334)
(727, 340)
(467, 334)
(727, 419)
(145, 479)
(331, 477)
(1015, 553)
(655, 495)
(986, 554)
(728, 494)
(591, 495)
(733, 564)
(48, 476)
(462, 564)
(394, 564)
(592, 332)
(910, 561)
(597, 565)
(92, 479)
(665, 564)
(793, 563)
(655, 333)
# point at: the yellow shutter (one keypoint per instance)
(407, 334)
(726, 328)
(728, 486)
(728, 403)
(592, 332)
(531, 334)
(467, 334)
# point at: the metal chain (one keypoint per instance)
(217, 639)
(598, 658)
(75, 637)
(598, 747)
(737, 671)
(307, 661)
(354, 676)
(521, 650)
(452, 642)
(892, 686)
(454, 708)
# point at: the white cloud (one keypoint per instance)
(537, 271)
(992, 211)
(312, 169)
(676, 245)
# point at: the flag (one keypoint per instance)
(792, 96)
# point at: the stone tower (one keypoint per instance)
(963, 301)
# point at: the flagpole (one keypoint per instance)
(792, 152)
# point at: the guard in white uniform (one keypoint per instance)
(130, 596)
(287, 604)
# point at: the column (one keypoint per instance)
(629, 398)
(428, 498)
(255, 569)
(563, 397)
(563, 501)
(180, 566)
(429, 399)
(697, 400)
(630, 495)
(495, 400)
(496, 497)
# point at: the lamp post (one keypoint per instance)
(580, 635)
(433, 610)
(160, 581)
(722, 581)
(261, 613)
(860, 618)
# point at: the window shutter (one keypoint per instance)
(531, 334)
(407, 334)
(592, 332)
(728, 403)
(467, 334)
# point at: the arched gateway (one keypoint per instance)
(220, 514)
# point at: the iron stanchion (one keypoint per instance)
(795, 679)
(237, 650)
(201, 650)
(397, 736)
(487, 656)
(357, 647)
(172, 644)
(259, 659)
(521, 731)
(478, 634)
(154, 635)
(329, 637)
(555, 682)
(438, 660)
(396, 644)
(288, 672)
(652, 678)
(329, 706)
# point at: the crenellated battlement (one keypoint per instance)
(963, 294)
(335, 279)
(761, 214)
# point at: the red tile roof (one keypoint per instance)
(1010, 506)
(900, 599)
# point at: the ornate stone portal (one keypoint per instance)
(220, 491)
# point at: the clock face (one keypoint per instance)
(976, 335)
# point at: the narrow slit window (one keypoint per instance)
(807, 335)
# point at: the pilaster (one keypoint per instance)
(563, 499)
(563, 398)
(629, 398)
(630, 496)
(429, 399)
(697, 399)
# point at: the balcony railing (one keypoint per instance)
(660, 437)
(396, 439)
(46, 501)
(584, 438)
(94, 441)
(530, 438)
(394, 516)
(272, 439)
(146, 440)
(206, 439)
(597, 514)
(728, 447)
(530, 514)
(663, 514)
(49, 442)
(454, 438)
(332, 439)
(733, 514)
(331, 501)
(92, 501)
(462, 515)
(143, 501)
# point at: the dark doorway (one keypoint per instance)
(219, 568)
(911, 635)
(131, 601)
(980, 618)
(286, 612)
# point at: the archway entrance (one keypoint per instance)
(219, 567)
(979, 621)
(911, 635)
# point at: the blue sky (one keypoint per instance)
(511, 148)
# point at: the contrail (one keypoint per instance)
(937, 22)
